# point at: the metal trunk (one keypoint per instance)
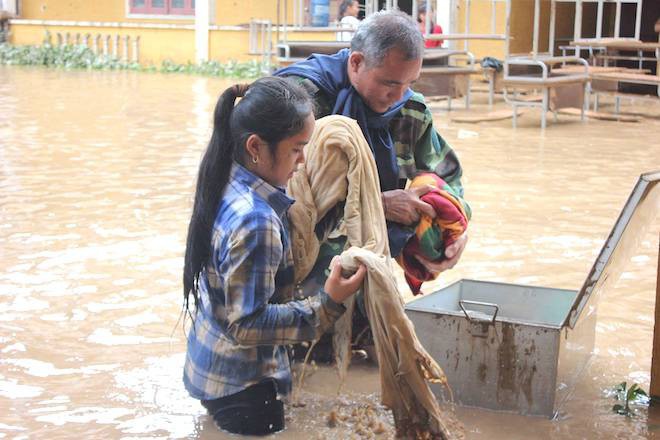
(522, 348)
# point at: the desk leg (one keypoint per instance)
(654, 391)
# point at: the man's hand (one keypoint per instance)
(453, 254)
(405, 206)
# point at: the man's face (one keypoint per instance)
(383, 85)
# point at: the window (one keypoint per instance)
(163, 7)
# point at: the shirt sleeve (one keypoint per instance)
(251, 262)
(432, 153)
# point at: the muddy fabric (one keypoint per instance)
(339, 167)
(405, 366)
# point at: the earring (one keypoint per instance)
(255, 159)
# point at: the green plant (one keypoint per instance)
(632, 395)
(82, 57)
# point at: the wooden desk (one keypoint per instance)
(636, 78)
(618, 44)
(625, 77)
(614, 45)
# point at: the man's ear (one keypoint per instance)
(355, 61)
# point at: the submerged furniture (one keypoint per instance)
(453, 78)
(293, 51)
(533, 72)
(446, 72)
(607, 82)
(520, 348)
(555, 88)
(578, 43)
(625, 77)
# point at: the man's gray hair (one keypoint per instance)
(385, 30)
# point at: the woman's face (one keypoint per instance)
(278, 168)
(353, 9)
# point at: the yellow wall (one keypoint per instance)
(73, 10)
(178, 45)
(156, 45)
(232, 12)
(227, 12)
(522, 26)
(480, 23)
(84, 10)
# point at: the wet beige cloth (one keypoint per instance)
(339, 166)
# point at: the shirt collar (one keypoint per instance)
(275, 196)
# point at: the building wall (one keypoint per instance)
(176, 43)
(156, 45)
(480, 23)
(160, 38)
(227, 12)
(522, 26)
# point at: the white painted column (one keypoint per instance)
(202, 20)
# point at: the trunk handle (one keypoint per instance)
(462, 303)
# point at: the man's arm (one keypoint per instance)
(432, 153)
(420, 148)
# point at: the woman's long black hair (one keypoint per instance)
(272, 108)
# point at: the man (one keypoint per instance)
(371, 84)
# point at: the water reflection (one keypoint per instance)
(97, 173)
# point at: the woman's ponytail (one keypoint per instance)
(211, 181)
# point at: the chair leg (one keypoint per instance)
(596, 101)
(617, 102)
(586, 101)
(467, 94)
(515, 116)
(544, 109)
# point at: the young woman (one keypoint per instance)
(238, 264)
(347, 18)
(435, 28)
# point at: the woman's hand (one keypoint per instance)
(339, 288)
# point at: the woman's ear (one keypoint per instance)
(253, 148)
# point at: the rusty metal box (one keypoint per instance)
(520, 348)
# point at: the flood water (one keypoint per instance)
(96, 182)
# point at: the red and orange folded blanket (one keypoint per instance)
(432, 236)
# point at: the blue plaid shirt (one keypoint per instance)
(246, 314)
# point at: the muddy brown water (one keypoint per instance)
(96, 175)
